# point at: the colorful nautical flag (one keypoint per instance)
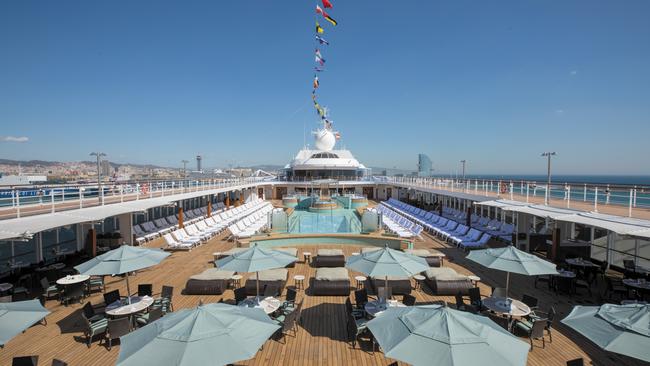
(327, 4)
(321, 40)
(319, 29)
(316, 84)
(331, 20)
(317, 69)
(325, 15)
(318, 58)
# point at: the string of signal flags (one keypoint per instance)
(321, 43)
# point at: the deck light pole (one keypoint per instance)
(100, 191)
(184, 168)
(548, 175)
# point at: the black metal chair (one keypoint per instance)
(94, 328)
(616, 287)
(576, 362)
(289, 303)
(166, 298)
(356, 313)
(271, 290)
(95, 282)
(25, 361)
(57, 362)
(530, 301)
(49, 290)
(544, 278)
(361, 298)
(111, 297)
(145, 289)
(149, 317)
(355, 328)
(288, 323)
(408, 300)
(534, 330)
(117, 328)
(240, 295)
(475, 298)
(72, 292)
(90, 313)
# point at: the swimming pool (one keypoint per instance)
(331, 221)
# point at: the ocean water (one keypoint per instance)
(638, 180)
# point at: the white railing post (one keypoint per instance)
(596, 199)
(121, 192)
(584, 194)
(52, 199)
(81, 197)
(568, 197)
(546, 194)
(137, 191)
(634, 198)
(63, 194)
(150, 190)
(629, 209)
(17, 204)
(527, 191)
(512, 188)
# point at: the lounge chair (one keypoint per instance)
(446, 281)
(329, 258)
(276, 277)
(212, 281)
(330, 282)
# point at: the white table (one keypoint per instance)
(579, 262)
(307, 256)
(269, 304)
(418, 281)
(123, 308)
(475, 279)
(500, 305)
(375, 308)
(361, 280)
(71, 280)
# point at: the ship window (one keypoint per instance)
(324, 155)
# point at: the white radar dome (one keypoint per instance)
(324, 140)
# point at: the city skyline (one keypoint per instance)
(495, 85)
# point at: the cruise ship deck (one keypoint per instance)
(321, 338)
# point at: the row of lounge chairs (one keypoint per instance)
(251, 221)
(447, 229)
(153, 229)
(398, 224)
(498, 229)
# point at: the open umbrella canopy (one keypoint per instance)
(15, 317)
(511, 259)
(387, 262)
(438, 335)
(255, 259)
(124, 259)
(623, 329)
(213, 334)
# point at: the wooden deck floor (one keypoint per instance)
(320, 340)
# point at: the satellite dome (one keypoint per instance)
(324, 140)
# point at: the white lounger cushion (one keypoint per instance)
(290, 251)
(332, 274)
(329, 252)
(443, 274)
(213, 274)
(279, 274)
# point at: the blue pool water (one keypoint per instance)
(334, 221)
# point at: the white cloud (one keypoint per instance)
(574, 72)
(15, 139)
(559, 111)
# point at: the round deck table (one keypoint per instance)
(499, 305)
(71, 280)
(375, 308)
(269, 304)
(299, 281)
(123, 308)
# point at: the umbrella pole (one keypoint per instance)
(507, 283)
(128, 289)
(257, 283)
(386, 289)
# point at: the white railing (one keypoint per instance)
(17, 201)
(595, 197)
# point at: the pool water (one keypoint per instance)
(332, 221)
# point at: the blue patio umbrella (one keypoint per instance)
(213, 334)
(17, 316)
(438, 335)
(387, 262)
(623, 329)
(255, 259)
(122, 260)
(511, 259)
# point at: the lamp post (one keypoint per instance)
(100, 191)
(548, 155)
(184, 167)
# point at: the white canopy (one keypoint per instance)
(500, 203)
(618, 224)
(25, 227)
(543, 211)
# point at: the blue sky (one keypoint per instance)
(495, 83)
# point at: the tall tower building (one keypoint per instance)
(198, 163)
(425, 166)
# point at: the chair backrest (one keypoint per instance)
(57, 362)
(629, 264)
(576, 362)
(111, 297)
(499, 292)
(118, 327)
(501, 321)
(167, 292)
(530, 301)
(550, 316)
(291, 294)
(240, 294)
(25, 361)
(537, 330)
(155, 314)
(361, 297)
(408, 300)
(460, 303)
(348, 306)
(88, 310)
(271, 290)
(474, 295)
(145, 289)
(45, 284)
(76, 290)
(289, 321)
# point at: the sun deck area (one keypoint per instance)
(321, 337)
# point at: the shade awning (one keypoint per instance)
(543, 211)
(501, 203)
(618, 224)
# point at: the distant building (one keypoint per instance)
(425, 167)
(199, 169)
(16, 180)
